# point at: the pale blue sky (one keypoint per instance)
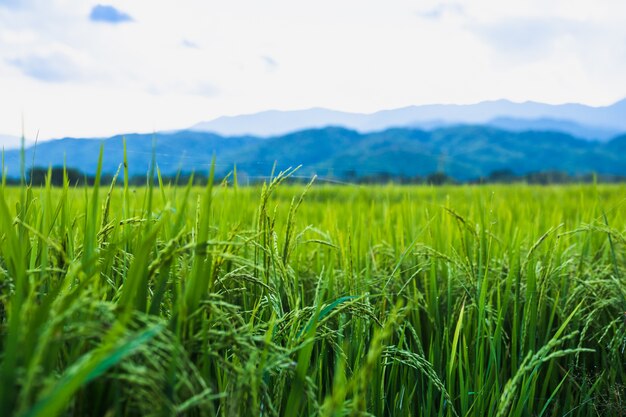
(87, 68)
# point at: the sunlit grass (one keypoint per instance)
(283, 300)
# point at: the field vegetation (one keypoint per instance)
(293, 300)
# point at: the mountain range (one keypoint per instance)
(586, 122)
(464, 141)
(9, 142)
(464, 152)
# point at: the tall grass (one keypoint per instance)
(321, 300)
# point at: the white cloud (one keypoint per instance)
(108, 14)
(270, 62)
(189, 44)
(175, 65)
(49, 68)
(442, 9)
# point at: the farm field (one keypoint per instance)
(288, 300)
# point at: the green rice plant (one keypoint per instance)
(293, 300)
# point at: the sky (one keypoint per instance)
(83, 68)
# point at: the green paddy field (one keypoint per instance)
(288, 300)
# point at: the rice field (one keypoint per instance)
(319, 300)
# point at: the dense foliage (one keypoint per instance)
(287, 300)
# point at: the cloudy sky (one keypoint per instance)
(84, 68)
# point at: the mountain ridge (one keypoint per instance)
(463, 152)
(275, 122)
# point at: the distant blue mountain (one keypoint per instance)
(10, 142)
(554, 125)
(184, 151)
(464, 152)
(606, 120)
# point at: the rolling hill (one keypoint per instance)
(463, 152)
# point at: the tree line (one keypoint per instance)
(39, 176)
